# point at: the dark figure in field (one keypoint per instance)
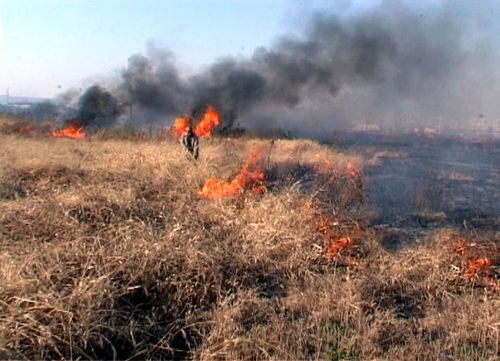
(190, 142)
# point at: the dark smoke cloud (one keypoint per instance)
(398, 65)
(154, 83)
(97, 108)
(231, 86)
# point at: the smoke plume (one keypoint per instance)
(396, 65)
(97, 108)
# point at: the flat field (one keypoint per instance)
(107, 252)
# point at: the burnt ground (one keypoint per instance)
(417, 184)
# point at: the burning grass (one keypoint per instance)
(107, 251)
(22, 127)
(72, 130)
(478, 259)
(251, 177)
(205, 127)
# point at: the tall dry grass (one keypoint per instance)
(107, 253)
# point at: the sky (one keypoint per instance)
(50, 46)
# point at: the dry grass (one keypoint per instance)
(106, 252)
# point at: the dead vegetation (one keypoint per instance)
(107, 252)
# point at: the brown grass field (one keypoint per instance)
(107, 252)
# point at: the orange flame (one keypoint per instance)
(335, 243)
(250, 177)
(324, 168)
(475, 263)
(72, 130)
(339, 245)
(351, 170)
(461, 247)
(475, 266)
(210, 119)
(181, 124)
(324, 225)
(204, 128)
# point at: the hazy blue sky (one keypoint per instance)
(48, 46)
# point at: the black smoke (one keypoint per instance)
(397, 65)
(153, 83)
(232, 87)
(97, 108)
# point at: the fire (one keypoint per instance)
(204, 128)
(181, 124)
(210, 119)
(324, 168)
(72, 130)
(475, 266)
(461, 247)
(250, 177)
(337, 246)
(328, 168)
(351, 170)
(475, 263)
(324, 225)
(335, 242)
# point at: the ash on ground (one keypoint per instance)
(416, 184)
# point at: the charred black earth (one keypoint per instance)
(422, 183)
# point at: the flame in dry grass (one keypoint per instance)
(72, 130)
(324, 225)
(337, 246)
(210, 120)
(251, 177)
(475, 266)
(324, 168)
(204, 128)
(181, 124)
(335, 243)
(351, 170)
(461, 247)
(327, 168)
